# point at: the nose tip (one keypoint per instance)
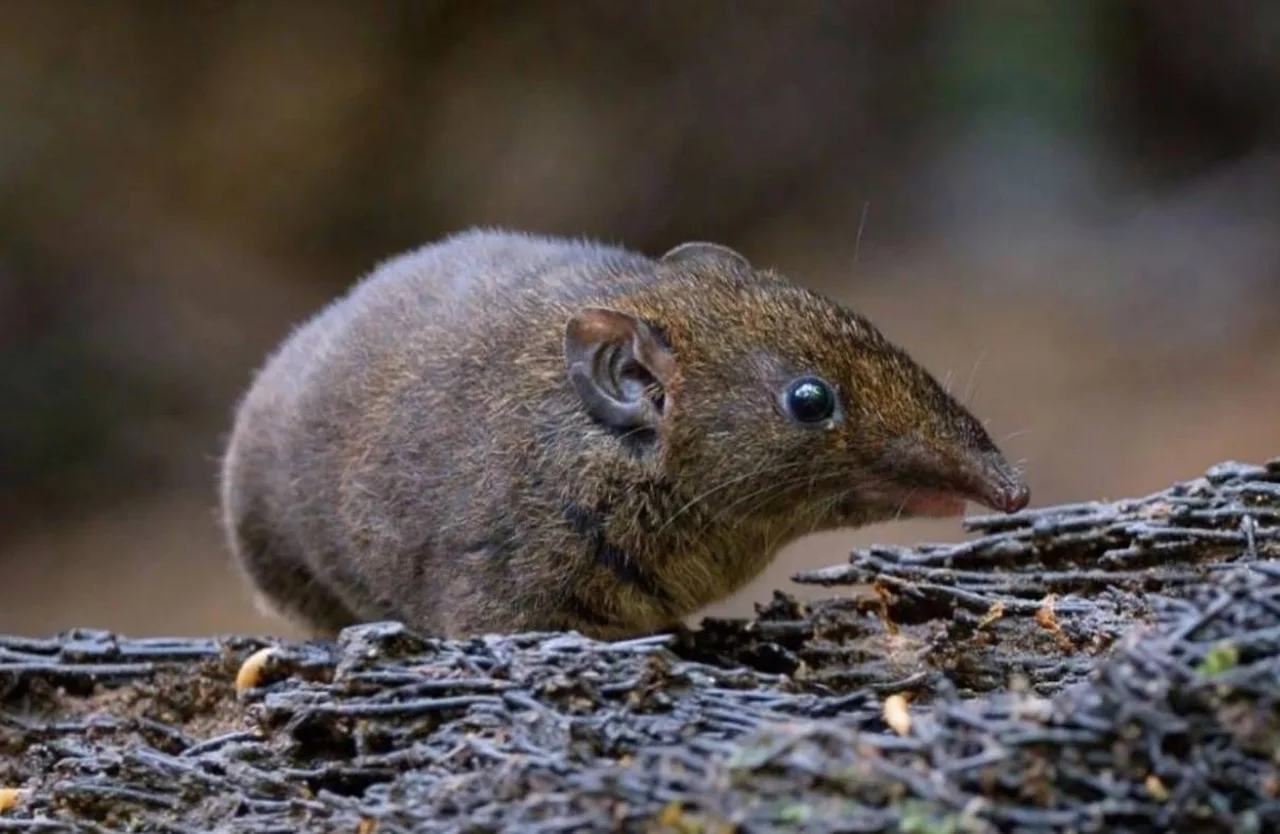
(1016, 498)
(1001, 487)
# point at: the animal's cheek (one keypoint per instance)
(736, 415)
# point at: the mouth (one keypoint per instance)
(994, 484)
(933, 504)
(988, 482)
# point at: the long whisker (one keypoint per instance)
(813, 512)
(818, 510)
(808, 515)
(821, 508)
(862, 225)
(725, 484)
(776, 489)
(906, 499)
(768, 492)
(761, 496)
(968, 389)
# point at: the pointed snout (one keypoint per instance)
(995, 484)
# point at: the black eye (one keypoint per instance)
(810, 400)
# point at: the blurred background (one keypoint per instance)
(1069, 209)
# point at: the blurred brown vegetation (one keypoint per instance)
(1072, 210)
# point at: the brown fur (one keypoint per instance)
(416, 451)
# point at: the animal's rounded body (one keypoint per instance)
(502, 432)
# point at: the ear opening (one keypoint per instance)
(619, 367)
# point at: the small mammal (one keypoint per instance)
(504, 432)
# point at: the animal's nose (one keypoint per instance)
(998, 485)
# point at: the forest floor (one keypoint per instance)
(1099, 667)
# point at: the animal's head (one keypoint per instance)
(759, 396)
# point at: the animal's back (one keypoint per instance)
(377, 401)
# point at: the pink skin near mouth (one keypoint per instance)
(935, 505)
(951, 504)
(987, 482)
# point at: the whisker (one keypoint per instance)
(906, 499)
(725, 484)
(808, 514)
(813, 513)
(779, 488)
(751, 502)
(823, 507)
(862, 225)
(768, 492)
(968, 389)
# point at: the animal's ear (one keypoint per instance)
(619, 368)
(702, 251)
